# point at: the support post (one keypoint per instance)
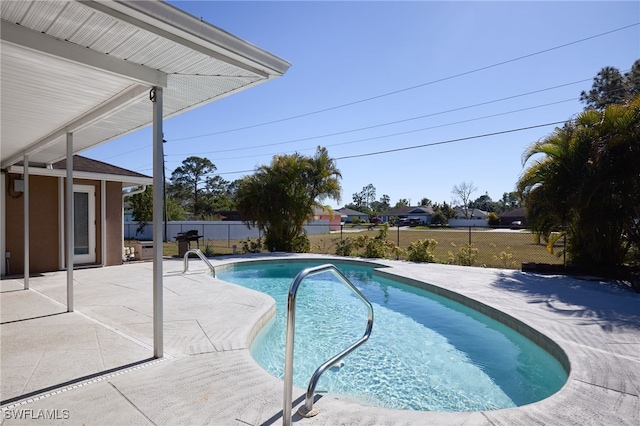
(158, 185)
(70, 222)
(26, 220)
(103, 222)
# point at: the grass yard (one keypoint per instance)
(494, 249)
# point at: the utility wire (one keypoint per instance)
(425, 145)
(408, 131)
(449, 141)
(433, 114)
(412, 87)
(392, 134)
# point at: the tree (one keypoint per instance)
(402, 202)
(610, 86)
(483, 202)
(363, 200)
(369, 194)
(174, 211)
(218, 196)
(509, 201)
(385, 202)
(188, 181)
(358, 202)
(280, 198)
(633, 80)
(442, 213)
(425, 202)
(142, 205)
(587, 183)
(461, 196)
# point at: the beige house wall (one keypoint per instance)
(44, 223)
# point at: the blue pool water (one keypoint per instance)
(426, 352)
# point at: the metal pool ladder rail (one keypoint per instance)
(201, 256)
(307, 409)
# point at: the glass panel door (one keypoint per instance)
(81, 223)
(84, 224)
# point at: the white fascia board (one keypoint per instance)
(177, 25)
(131, 95)
(32, 40)
(127, 180)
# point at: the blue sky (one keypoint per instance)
(465, 58)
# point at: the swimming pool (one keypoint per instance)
(426, 352)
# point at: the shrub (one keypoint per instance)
(208, 250)
(466, 255)
(345, 247)
(300, 244)
(377, 247)
(250, 246)
(506, 258)
(493, 219)
(422, 250)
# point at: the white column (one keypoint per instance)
(3, 226)
(158, 174)
(70, 224)
(61, 222)
(103, 221)
(25, 195)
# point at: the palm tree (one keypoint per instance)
(281, 197)
(587, 183)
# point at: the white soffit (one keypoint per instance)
(88, 67)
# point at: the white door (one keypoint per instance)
(84, 224)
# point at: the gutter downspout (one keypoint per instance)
(124, 195)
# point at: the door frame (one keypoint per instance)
(90, 257)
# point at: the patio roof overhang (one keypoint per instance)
(126, 181)
(76, 74)
(87, 68)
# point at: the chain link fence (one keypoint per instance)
(471, 246)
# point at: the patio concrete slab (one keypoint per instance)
(210, 377)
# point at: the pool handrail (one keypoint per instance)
(307, 409)
(201, 256)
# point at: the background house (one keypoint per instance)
(98, 211)
(472, 217)
(420, 215)
(331, 216)
(512, 217)
(349, 214)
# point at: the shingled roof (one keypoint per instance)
(84, 164)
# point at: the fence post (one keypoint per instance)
(398, 244)
(469, 236)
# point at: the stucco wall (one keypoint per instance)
(114, 223)
(44, 246)
(43, 229)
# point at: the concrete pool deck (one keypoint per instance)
(94, 367)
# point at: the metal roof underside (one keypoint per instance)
(88, 68)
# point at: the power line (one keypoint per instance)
(449, 141)
(411, 131)
(412, 87)
(427, 144)
(388, 123)
(399, 133)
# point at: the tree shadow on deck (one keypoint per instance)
(611, 304)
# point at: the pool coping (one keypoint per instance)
(597, 326)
